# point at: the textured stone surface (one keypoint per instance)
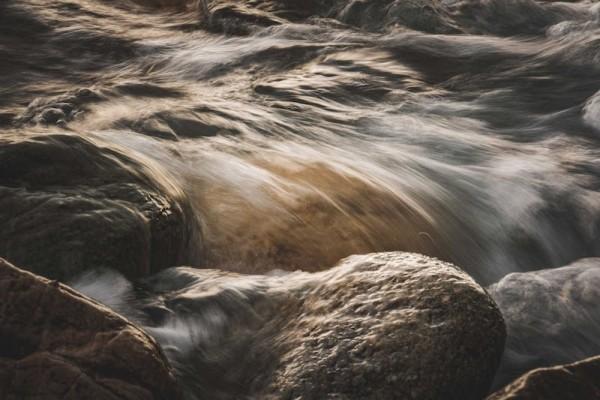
(58, 344)
(68, 204)
(58, 110)
(551, 317)
(577, 381)
(376, 326)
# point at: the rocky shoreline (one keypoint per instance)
(379, 326)
(299, 200)
(57, 344)
(376, 326)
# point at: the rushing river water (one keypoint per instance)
(306, 131)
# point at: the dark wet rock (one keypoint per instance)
(150, 126)
(551, 317)
(577, 381)
(145, 89)
(377, 326)
(60, 109)
(236, 19)
(180, 124)
(426, 16)
(57, 344)
(509, 18)
(87, 94)
(68, 204)
(51, 115)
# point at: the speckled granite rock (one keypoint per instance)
(69, 203)
(377, 326)
(58, 344)
(577, 381)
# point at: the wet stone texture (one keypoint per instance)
(58, 344)
(58, 110)
(377, 326)
(68, 204)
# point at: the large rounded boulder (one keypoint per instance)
(57, 344)
(377, 326)
(69, 203)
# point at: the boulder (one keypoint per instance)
(69, 203)
(58, 344)
(551, 317)
(377, 326)
(577, 381)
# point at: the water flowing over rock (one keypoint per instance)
(499, 17)
(68, 203)
(551, 317)
(577, 381)
(377, 326)
(56, 344)
(334, 127)
(292, 134)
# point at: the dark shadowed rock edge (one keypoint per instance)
(577, 381)
(57, 344)
(69, 203)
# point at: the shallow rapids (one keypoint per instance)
(304, 132)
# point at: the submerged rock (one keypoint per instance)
(68, 204)
(58, 110)
(175, 124)
(377, 326)
(421, 15)
(577, 381)
(551, 317)
(58, 344)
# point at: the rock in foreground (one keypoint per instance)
(577, 381)
(377, 326)
(551, 317)
(58, 344)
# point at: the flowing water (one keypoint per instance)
(306, 131)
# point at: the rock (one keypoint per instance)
(421, 15)
(57, 110)
(239, 17)
(57, 344)
(577, 381)
(51, 115)
(68, 204)
(509, 18)
(377, 326)
(179, 123)
(234, 18)
(146, 89)
(551, 317)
